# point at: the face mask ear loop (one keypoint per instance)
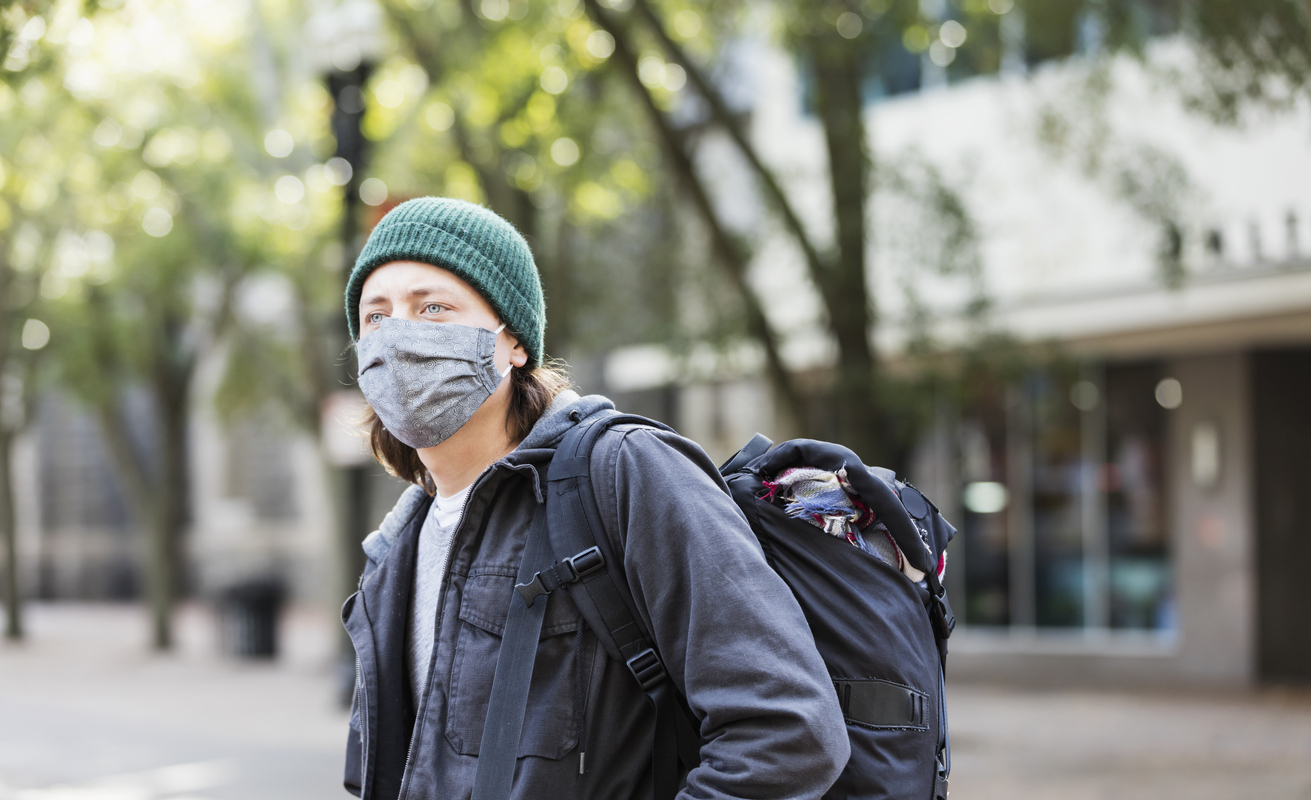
(508, 367)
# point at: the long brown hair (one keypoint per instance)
(531, 393)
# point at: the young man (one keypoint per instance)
(446, 305)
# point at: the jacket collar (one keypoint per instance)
(528, 459)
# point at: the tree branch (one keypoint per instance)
(719, 111)
(727, 251)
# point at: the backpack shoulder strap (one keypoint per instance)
(757, 447)
(513, 676)
(576, 532)
(601, 593)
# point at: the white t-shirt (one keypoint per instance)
(435, 541)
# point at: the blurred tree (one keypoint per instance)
(837, 43)
(518, 94)
(505, 106)
(1257, 51)
(133, 332)
(158, 181)
(31, 174)
(852, 51)
(156, 165)
(292, 357)
(516, 114)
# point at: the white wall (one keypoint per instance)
(1055, 234)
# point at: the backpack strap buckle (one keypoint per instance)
(647, 669)
(944, 621)
(941, 784)
(561, 573)
(585, 563)
(940, 613)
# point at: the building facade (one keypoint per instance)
(1135, 510)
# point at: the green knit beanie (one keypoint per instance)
(469, 240)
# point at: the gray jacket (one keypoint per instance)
(728, 629)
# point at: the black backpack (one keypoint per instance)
(882, 637)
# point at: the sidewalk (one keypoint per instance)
(89, 714)
(1093, 745)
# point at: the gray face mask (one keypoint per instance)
(426, 379)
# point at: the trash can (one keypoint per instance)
(249, 617)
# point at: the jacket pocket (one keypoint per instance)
(556, 694)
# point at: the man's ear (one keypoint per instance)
(518, 355)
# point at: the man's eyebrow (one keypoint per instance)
(424, 291)
(417, 291)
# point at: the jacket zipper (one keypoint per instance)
(446, 577)
(363, 700)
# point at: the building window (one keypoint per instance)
(1056, 498)
(1063, 506)
(1133, 481)
(982, 550)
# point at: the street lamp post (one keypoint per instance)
(345, 42)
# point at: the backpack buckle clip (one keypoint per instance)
(941, 782)
(941, 615)
(646, 667)
(562, 573)
(532, 590)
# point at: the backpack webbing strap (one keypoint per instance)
(942, 764)
(603, 597)
(514, 673)
(943, 622)
(757, 447)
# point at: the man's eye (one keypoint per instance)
(434, 308)
(374, 318)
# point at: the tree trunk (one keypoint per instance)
(159, 579)
(158, 492)
(551, 239)
(840, 273)
(8, 517)
(174, 495)
(155, 512)
(143, 497)
(843, 283)
(160, 502)
(9, 532)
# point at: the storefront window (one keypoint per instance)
(1063, 507)
(1058, 542)
(1133, 481)
(983, 545)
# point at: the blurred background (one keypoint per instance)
(1048, 259)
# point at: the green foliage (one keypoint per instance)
(1256, 52)
(518, 110)
(514, 106)
(143, 118)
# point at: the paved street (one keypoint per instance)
(88, 714)
(1103, 745)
